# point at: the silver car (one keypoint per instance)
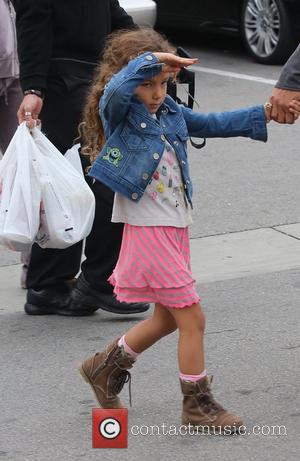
(143, 12)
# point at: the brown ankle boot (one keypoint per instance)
(201, 409)
(107, 373)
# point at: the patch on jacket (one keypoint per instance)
(113, 155)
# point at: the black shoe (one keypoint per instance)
(50, 301)
(85, 295)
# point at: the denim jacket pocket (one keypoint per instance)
(133, 140)
(114, 159)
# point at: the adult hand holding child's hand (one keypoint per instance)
(281, 100)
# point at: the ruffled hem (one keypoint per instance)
(141, 282)
(177, 297)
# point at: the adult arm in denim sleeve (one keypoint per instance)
(115, 102)
(249, 123)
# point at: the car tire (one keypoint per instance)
(267, 32)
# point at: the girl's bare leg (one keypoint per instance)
(191, 324)
(147, 332)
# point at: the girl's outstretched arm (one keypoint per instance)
(249, 122)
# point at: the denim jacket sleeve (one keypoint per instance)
(249, 122)
(115, 101)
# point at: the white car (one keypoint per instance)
(143, 12)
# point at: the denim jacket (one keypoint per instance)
(135, 141)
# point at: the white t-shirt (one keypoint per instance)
(164, 202)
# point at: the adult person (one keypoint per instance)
(10, 90)
(59, 44)
(286, 89)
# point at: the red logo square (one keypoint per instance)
(110, 428)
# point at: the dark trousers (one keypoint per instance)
(10, 100)
(50, 268)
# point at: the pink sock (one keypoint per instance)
(123, 343)
(192, 378)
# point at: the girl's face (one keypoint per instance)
(152, 92)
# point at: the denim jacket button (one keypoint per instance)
(145, 176)
(162, 137)
(183, 162)
(134, 196)
(149, 57)
(156, 156)
(175, 143)
(143, 125)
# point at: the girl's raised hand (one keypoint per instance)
(174, 63)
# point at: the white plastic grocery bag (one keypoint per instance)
(72, 155)
(19, 192)
(67, 202)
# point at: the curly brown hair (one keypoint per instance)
(120, 48)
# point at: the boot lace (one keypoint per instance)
(118, 382)
(208, 403)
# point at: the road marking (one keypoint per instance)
(225, 73)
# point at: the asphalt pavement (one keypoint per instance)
(246, 261)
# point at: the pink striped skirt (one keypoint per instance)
(154, 266)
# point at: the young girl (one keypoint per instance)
(142, 134)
